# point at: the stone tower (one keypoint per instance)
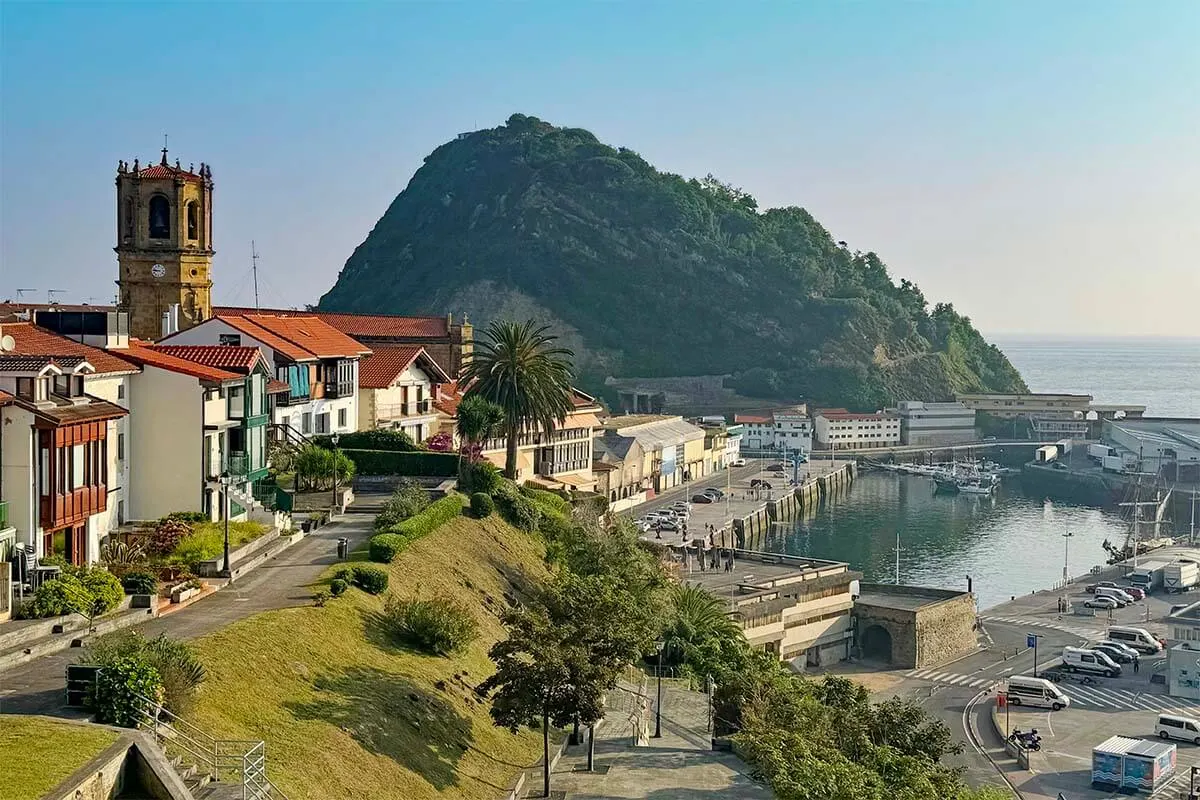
(164, 244)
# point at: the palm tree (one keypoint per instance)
(518, 367)
(699, 615)
(477, 421)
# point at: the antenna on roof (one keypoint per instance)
(22, 292)
(50, 295)
(254, 269)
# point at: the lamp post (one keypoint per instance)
(334, 439)
(225, 481)
(1066, 568)
(659, 646)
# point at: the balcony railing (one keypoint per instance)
(413, 408)
(237, 465)
(334, 390)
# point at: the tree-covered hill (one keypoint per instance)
(649, 274)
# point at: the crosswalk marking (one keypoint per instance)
(1037, 623)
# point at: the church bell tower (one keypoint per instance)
(164, 244)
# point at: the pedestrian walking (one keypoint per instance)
(1135, 664)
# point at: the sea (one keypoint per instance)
(1011, 543)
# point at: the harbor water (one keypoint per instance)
(1009, 543)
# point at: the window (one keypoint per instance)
(77, 386)
(160, 217)
(128, 221)
(120, 447)
(121, 390)
(25, 388)
(78, 468)
(230, 340)
(341, 418)
(62, 385)
(193, 220)
(323, 423)
(306, 422)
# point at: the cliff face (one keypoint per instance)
(645, 273)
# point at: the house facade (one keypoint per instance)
(193, 423)
(62, 452)
(318, 364)
(935, 423)
(838, 429)
(672, 448)
(556, 459)
(621, 470)
(789, 428)
(397, 387)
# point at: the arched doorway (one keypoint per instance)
(877, 644)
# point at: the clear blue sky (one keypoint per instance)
(1035, 163)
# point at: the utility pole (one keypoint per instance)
(1066, 568)
(254, 269)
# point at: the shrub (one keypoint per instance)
(58, 597)
(105, 589)
(432, 518)
(337, 587)
(408, 499)
(384, 462)
(518, 509)
(321, 598)
(479, 476)
(315, 466)
(122, 689)
(370, 578)
(121, 557)
(482, 505)
(384, 547)
(179, 669)
(197, 547)
(439, 626)
(440, 443)
(167, 535)
(139, 581)
(188, 516)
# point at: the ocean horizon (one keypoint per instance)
(1159, 372)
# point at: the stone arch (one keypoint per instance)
(159, 217)
(193, 220)
(877, 643)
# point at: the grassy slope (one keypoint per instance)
(26, 742)
(347, 714)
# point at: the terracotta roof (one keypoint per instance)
(145, 354)
(34, 341)
(166, 171)
(581, 400)
(370, 326)
(24, 363)
(753, 419)
(299, 337)
(5, 398)
(381, 368)
(233, 359)
(277, 387)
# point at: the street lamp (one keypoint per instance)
(659, 646)
(334, 439)
(1066, 568)
(225, 481)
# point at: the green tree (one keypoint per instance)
(476, 421)
(518, 367)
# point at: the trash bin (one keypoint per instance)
(343, 548)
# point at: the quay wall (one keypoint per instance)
(753, 530)
(1105, 489)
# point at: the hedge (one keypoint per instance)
(368, 577)
(389, 462)
(378, 439)
(384, 547)
(482, 505)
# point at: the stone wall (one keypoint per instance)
(946, 630)
(936, 631)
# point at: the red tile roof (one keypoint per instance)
(66, 413)
(300, 337)
(581, 400)
(5, 398)
(166, 171)
(753, 419)
(143, 353)
(34, 341)
(277, 387)
(233, 359)
(381, 368)
(370, 326)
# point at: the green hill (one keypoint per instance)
(346, 713)
(649, 274)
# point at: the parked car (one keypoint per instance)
(738, 462)
(1136, 592)
(1092, 587)
(1119, 656)
(669, 525)
(703, 498)
(681, 505)
(1133, 653)
(1101, 602)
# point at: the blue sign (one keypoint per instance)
(1031, 640)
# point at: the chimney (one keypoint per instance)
(449, 321)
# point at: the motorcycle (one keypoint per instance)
(1028, 741)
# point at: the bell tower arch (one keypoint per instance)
(164, 244)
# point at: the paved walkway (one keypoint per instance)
(679, 766)
(39, 686)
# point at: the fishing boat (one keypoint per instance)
(976, 487)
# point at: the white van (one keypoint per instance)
(1078, 659)
(1139, 639)
(1123, 598)
(1026, 691)
(1170, 726)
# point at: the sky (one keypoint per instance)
(1034, 163)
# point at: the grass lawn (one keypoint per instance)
(240, 533)
(347, 713)
(40, 753)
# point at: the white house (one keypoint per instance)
(839, 429)
(318, 363)
(396, 389)
(63, 456)
(788, 428)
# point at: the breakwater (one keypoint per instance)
(752, 531)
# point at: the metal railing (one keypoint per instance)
(412, 408)
(239, 761)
